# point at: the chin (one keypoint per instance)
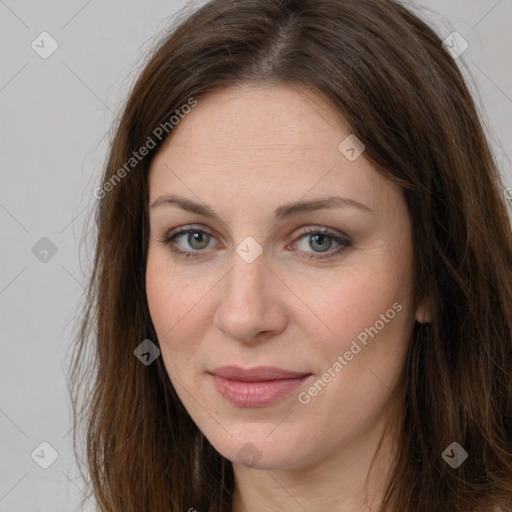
(259, 452)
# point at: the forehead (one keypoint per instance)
(255, 118)
(261, 142)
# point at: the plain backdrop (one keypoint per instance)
(55, 116)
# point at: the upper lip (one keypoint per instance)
(256, 374)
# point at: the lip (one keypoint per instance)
(255, 387)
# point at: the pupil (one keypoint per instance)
(322, 238)
(196, 237)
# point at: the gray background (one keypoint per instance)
(56, 114)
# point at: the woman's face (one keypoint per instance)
(270, 274)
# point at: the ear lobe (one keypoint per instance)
(423, 313)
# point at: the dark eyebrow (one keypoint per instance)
(282, 212)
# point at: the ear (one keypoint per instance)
(423, 312)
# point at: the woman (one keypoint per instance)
(239, 368)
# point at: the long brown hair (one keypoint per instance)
(387, 74)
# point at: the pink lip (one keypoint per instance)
(255, 387)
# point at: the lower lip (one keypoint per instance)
(255, 394)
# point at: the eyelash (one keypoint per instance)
(169, 241)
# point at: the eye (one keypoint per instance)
(197, 239)
(320, 240)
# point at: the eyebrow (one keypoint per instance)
(284, 211)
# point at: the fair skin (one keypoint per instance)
(245, 152)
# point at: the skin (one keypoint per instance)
(246, 151)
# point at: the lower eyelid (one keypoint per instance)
(331, 253)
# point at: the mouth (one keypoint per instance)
(255, 387)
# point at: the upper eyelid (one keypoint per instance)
(184, 229)
(201, 228)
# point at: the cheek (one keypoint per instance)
(172, 302)
(370, 304)
(353, 299)
(162, 298)
(361, 343)
(170, 294)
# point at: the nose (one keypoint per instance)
(251, 306)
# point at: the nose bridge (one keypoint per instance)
(246, 281)
(245, 307)
(248, 271)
